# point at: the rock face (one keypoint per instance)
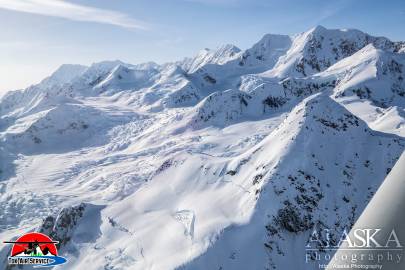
(313, 186)
(228, 160)
(366, 72)
(61, 227)
(319, 48)
(220, 56)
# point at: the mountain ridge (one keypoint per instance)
(227, 160)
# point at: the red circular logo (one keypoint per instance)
(34, 244)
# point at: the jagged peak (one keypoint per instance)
(368, 55)
(319, 48)
(119, 68)
(218, 50)
(65, 67)
(317, 29)
(106, 65)
(221, 55)
(266, 51)
(323, 112)
(118, 72)
(228, 47)
(147, 65)
(364, 55)
(321, 30)
(272, 40)
(64, 74)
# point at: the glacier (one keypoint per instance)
(227, 160)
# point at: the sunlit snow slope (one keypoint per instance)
(227, 160)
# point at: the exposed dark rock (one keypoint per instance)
(61, 228)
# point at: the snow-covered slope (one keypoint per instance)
(371, 84)
(319, 48)
(227, 160)
(266, 52)
(65, 74)
(302, 176)
(220, 56)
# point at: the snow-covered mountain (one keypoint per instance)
(227, 160)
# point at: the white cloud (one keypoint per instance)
(75, 12)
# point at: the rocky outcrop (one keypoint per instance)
(61, 227)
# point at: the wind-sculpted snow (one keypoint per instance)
(227, 160)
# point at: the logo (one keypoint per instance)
(362, 248)
(35, 249)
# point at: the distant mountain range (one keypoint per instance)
(227, 160)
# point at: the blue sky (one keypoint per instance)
(40, 35)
